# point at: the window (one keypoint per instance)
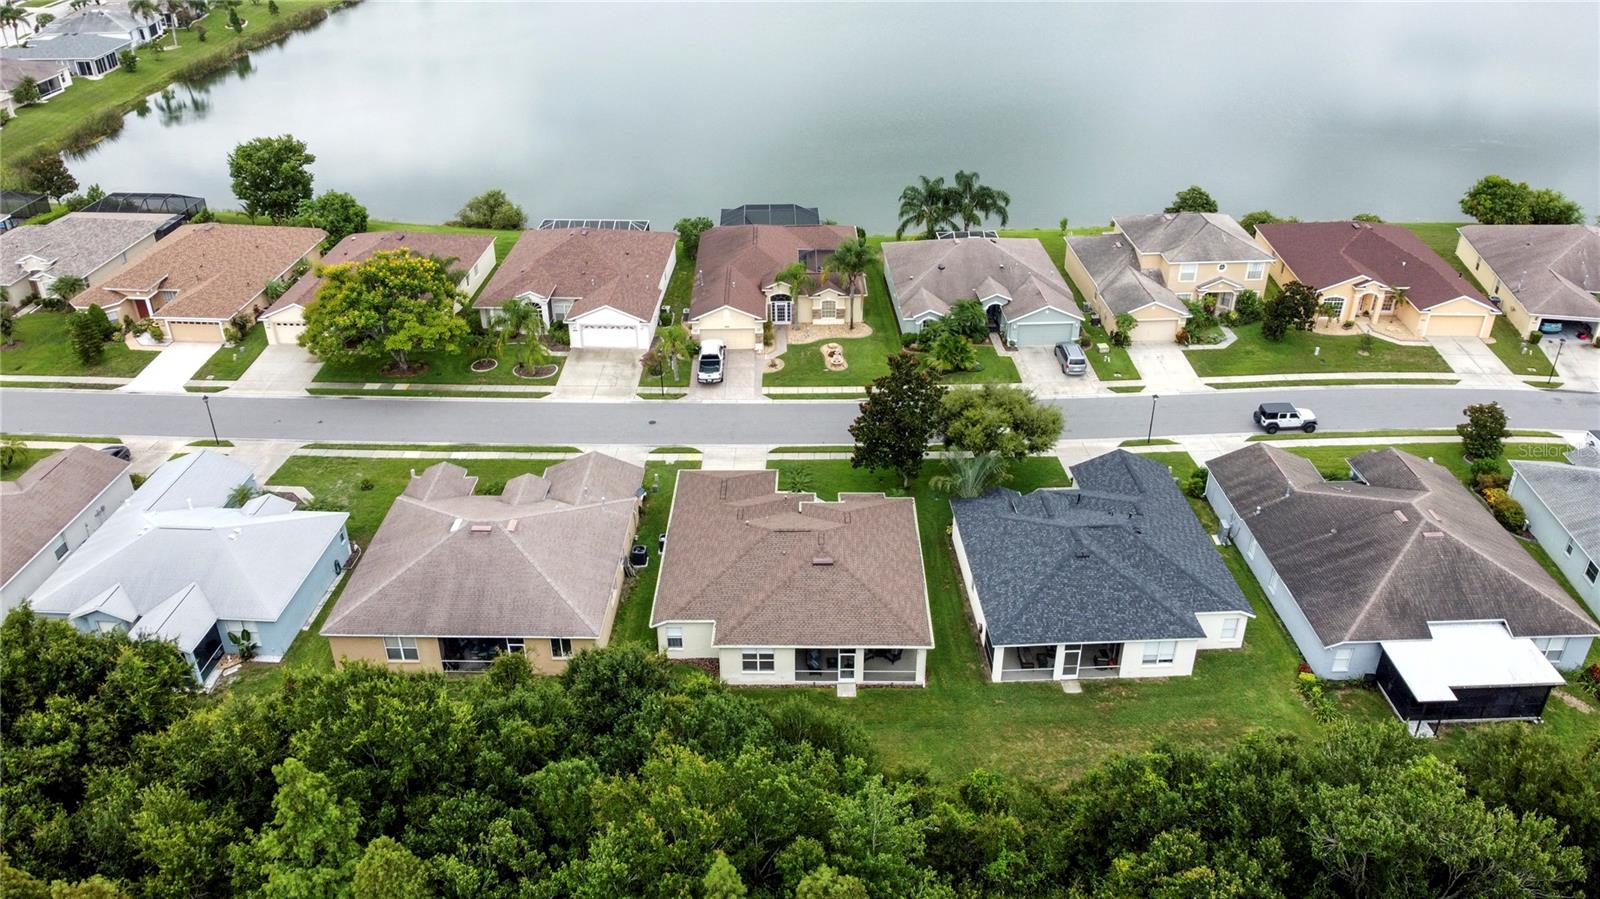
(674, 638)
(338, 568)
(1341, 659)
(62, 550)
(1222, 266)
(1569, 548)
(343, 537)
(515, 644)
(758, 661)
(1224, 299)
(828, 309)
(1255, 271)
(1388, 302)
(1340, 301)
(1161, 652)
(1590, 572)
(1552, 647)
(560, 648)
(1230, 628)
(1187, 271)
(401, 649)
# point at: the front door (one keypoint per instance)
(782, 311)
(996, 318)
(1069, 661)
(847, 666)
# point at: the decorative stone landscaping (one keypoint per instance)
(833, 357)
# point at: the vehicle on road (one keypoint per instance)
(1274, 417)
(1071, 357)
(118, 451)
(713, 359)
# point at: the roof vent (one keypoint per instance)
(456, 525)
(941, 266)
(1356, 225)
(511, 526)
(1433, 533)
(822, 561)
(1400, 516)
(482, 528)
(233, 535)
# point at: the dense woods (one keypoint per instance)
(627, 776)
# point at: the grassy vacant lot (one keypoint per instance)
(443, 368)
(229, 362)
(42, 346)
(1253, 354)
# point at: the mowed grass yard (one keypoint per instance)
(229, 362)
(867, 357)
(42, 345)
(1301, 352)
(442, 368)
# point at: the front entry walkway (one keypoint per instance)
(172, 368)
(608, 376)
(281, 368)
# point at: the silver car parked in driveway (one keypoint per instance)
(1071, 357)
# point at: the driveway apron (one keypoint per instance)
(171, 369)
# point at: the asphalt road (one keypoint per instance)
(659, 423)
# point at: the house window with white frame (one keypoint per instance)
(1186, 297)
(1341, 659)
(1591, 572)
(1222, 266)
(61, 550)
(401, 649)
(1160, 652)
(1388, 302)
(560, 648)
(1188, 271)
(1255, 271)
(827, 309)
(1340, 301)
(1568, 550)
(758, 661)
(1552, 647)
(1230, 628)
(674, 638)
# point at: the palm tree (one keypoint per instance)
(242, 494)
(13, 16)
(974, 202)
(925, 205)
(143, 9)
(971, 476)
(517, 314)
(172, 8)
(64, 288)
(801, 282)
(850, 261)
(672, 344)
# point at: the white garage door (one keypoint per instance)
(1455, 325)
(612, 336)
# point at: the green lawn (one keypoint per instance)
(228, 363)
(632, 623)
(44, 347)
(1332, 460)
(443, 368)
(993, 368)
(24, 461)
(867, 357)
(1327, 382)
(61, 438)
(56, 385)
(391, 393)
(666, 379)
(961, 721)
(446, 447)
(1252, 354)
(1441, 237)
(1449, 433)
(1508, 345)
(49, 126)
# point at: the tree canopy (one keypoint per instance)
(336, 213)
(47, 174)
(1007, 421)
(1293, 309)
(1192, 199)
(897, 419)
(394, 303)
(271, 176)
(1497, 200)
(689, 231)
(491, 209)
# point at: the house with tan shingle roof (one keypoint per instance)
(774, 588)
(89, 245)
(606, 284)
(202, 276)
(1546, 277)
(454, 578)
(1023, 294)
(736, 291)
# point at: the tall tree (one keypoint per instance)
(974, 202)
(970, 476)
(897, 419)
(336, 213)
(271, 176)
(395, 303)
(26, 93)
(491, 209)
(1007, 421)
(309, 849)
(13, 16)
(1497, 200)
(48, 175)
(672, 344)
(850, 261)
(1550, 207)
(1192, 199)
(1484, 432)
(689, 231)
(926, 206)
(1251, 220)
(801, 282)
(1293, 309)
(88, 341)
(387, 870)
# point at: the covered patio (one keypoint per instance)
(855, 665)
(1473, 671)
(1062, 661)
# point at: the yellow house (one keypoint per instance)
(1152, 266)
(453, 579)
(736, 291)
(1546, 277)
(1379, 273)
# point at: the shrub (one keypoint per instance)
(1490, 480)
(1312, 691)
(1120, 338)
(560, 335)
(967, 318)
(102, 323)
(908, 340)
(366, 484)
(88, 343)
(200, 33)
(1182, 337)
(1247, 307)
(5, 117)
(1535, 336)
(1589, 679)
(1195, 487)
(1506, 510)
(129, 61)
(1483, 433)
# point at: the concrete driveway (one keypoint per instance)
(1577, 364)
(171, 369)
(1163, 369)
(1041, 373)
(281, 369)
(741, 381)
(601, 375)
(1468, 356)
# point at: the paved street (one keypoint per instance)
(88, 412)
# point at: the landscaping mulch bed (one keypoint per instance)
(543, 371)
(485, 365)
(410, 371)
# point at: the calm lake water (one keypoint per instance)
(660, 111)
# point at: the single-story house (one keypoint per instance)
(1112, 578)
(736, 292)
(1153, 266)
(16, 207)
(1374, 270)
(770, 214)
(176, 562)
(50, 510)
(1401, 574)
(52, 77)
(88, 245)
(605, 283)
(453, 579)
(775, 589)
(193, 282)
(471, 256)
(87, 55)
(1563, 507)
(1546, 277)
(1020, 289)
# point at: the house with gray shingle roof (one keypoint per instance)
(88, 245)
(1563, 506)
(775, 589)
(1545, 277)
(1024, 295)
(1111, 578)
(51, 76)
(1401, 574)
(50, 510)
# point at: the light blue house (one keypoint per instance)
(1022, 292)
(176, 563)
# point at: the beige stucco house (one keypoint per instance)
(1153, 266)
(736, 292)
(1376, 271)
(473, 256)
(89, 245)
(453, 579)
(1545, 276)
(783, 589)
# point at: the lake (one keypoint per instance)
(660, 111)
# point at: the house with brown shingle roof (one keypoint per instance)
(777, 588)
(201, 276)
(454, 578)
(1020, 289)
(50, 510)
(1545, 277)
(1376, 271)
(736, 292)
(606, 284)
(470, 257)
(1401, 574)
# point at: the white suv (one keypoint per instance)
(1274, 417)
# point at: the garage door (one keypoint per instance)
(284, 332)
(1160, 331)
(609, 336)
(736, 339)
(1455, 325)
(1045, 334)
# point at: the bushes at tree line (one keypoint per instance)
(627, 776)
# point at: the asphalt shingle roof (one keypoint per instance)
(597, 266)
(45, 499)
(1191, 237)
(68, 46)
(930, 275)
(75, 244)
(735, 262)
(1554, 270)
(463, 248)
(1380, 560)
(1571, 493)
(1119, 557)
(1113, 266)
(1323, 254)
